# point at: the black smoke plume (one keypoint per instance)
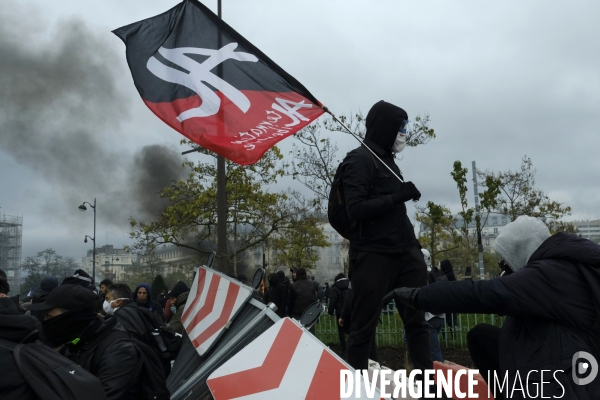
(61, 105)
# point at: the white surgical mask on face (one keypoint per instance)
(400, 142)
(107, 306)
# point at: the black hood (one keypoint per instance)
(14, 326)
(565, 246)
(342, 283)
(39, 295)
(383, 123)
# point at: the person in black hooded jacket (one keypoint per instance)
(73, 326)
(303, 294)
(552, 303)
(14, 327)
(338, 294)
(384, 253)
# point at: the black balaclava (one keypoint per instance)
(68, 326)
(383, 123)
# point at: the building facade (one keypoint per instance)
(588, 229)
(171, 258)
(332, 259)
(111, 262)
(492, 226)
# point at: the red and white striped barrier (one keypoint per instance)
(213, 302)
(285, 362)
(480, 390)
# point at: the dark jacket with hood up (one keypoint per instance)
(379, 226)
(277, 294)
(302, 295)
(551, 308)
(150, 305)
(14, 327)
(338, 296)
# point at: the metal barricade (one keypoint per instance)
(190, 371)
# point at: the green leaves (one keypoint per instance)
(419, 131)
(255, 214)
(437, 231)
(513, 193)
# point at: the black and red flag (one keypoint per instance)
(207, 82)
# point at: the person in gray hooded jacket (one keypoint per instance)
(551, 300)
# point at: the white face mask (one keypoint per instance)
(400, 142)
(107, 306)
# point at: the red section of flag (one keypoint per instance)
(241, 137)
(325, 383)
(201, 281)
(232, 293)
(208, 305)
(266, 377)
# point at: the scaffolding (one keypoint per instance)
(11, 228)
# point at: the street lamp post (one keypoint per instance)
(82, 208)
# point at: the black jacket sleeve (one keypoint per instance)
(291, 301)
(158, 310)
(551, 290)
(333, 299)
(357, 178)
(280, 299)
(487, 297)
(347, 308)
(119, 370)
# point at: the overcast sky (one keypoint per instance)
(499, 79)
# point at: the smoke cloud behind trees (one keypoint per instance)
(61, 109)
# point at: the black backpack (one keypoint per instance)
(159, 336)
(336, 205)
(52, 376)
(153, 384)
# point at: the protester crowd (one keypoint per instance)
(118, 343)
(115, 343)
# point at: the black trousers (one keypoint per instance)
(483, 341)
(372, 276)
(342, 336)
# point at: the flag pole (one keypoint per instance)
(222, 264)
(361, 142)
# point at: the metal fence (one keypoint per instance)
(390, 328)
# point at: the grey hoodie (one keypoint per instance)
(519, 239)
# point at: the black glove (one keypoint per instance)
(407, 191)
(406, 296)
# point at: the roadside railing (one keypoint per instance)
(390, 328)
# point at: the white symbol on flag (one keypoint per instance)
(199, 75)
